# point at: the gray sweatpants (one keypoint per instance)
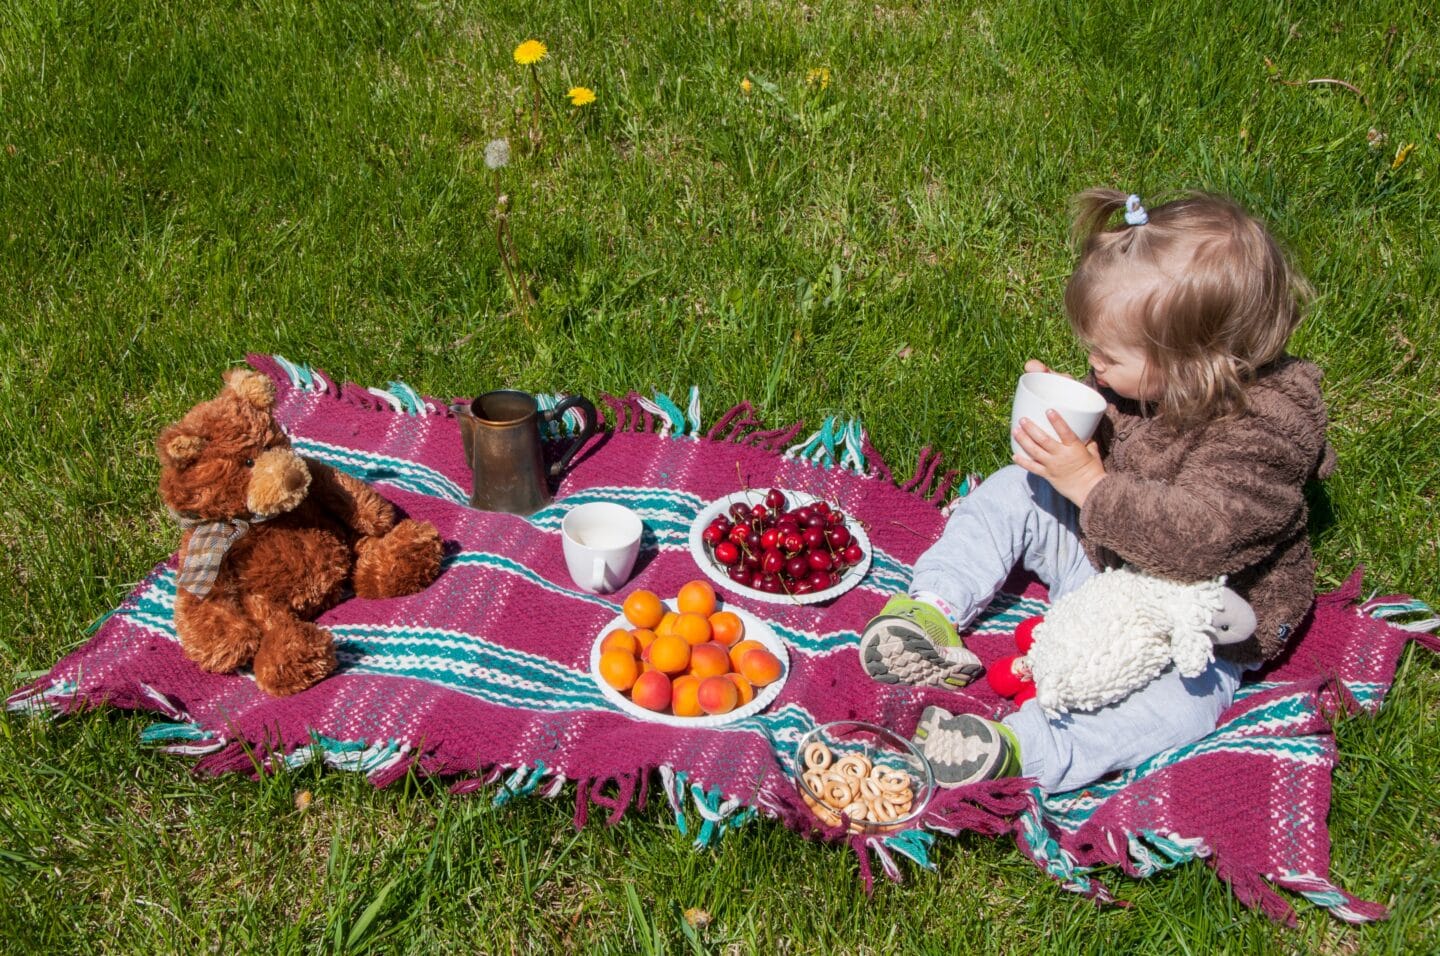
(1015, 518)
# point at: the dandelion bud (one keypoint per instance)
(497, 153)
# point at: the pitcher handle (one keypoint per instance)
(592, 422)
(467, 439)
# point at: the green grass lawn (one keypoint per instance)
(181, 183)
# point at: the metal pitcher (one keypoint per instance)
(501, 432)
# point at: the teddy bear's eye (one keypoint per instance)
(249, 462)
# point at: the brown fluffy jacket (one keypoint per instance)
(1226, 497)
(227, 458)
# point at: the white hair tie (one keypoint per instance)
(1135, 213)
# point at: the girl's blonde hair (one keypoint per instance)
(1211, 298)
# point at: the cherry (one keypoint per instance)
(822, 506)
(740, 511)
(815, 520)
(853, 554)
(739, 534)
(727, 553)
(742, 576)
(759, 513)
(713, 535)
(793, 542)
(838, 536)
(797, 567)
(803, 513)
(772, 561)
(775, 500)
(818, 580)
(820, 560)
(835, 518)
(770, 539)
(768, 583)
(813, 537)
(751, 560)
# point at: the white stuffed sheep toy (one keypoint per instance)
(1120, 629)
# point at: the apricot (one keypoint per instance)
(643, 608)
(667, 623)
(684, 696)
(670, 653)
(709, 660)
(760, 667)
(746, 689)
(726, 627)
(651, 691)
(695, 628)
(717, 695)
(620, 640)
(619, 669)
(739, 651)
(643, 637)
(696, 597)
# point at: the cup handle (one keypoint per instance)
(462, 412)
(592, 422)
(597, 575)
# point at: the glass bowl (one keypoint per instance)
(872, 776)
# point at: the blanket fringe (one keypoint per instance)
(1393, 606)
(1251, 889)
(734, 424)
(627, 786)
(1036, 842)
(1322, 892)
(48, 701)
(836, 444)
(914, 845)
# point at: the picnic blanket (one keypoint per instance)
(484, 676)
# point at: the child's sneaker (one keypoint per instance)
(911, 642)
(963, 748)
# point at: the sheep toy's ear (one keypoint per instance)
(1191, 648)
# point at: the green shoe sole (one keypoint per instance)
(894, 650)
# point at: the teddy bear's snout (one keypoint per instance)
(279, 480)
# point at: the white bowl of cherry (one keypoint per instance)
(780, 546)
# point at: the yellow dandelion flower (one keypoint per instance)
(1402, 154)
(581, 96)
(820, 76)
(530, 52)
(745, 85)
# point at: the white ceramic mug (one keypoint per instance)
(602, 541)
(1080, 405)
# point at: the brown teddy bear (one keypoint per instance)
(271, 539)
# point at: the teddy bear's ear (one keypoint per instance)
(252, 386)
(179, 448)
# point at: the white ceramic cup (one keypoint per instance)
(1080, 405)
(602, 541)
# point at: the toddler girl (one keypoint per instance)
(1198, 470)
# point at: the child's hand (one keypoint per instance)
(1035, 365)
(1073, 467)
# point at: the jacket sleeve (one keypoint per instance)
(1236, 496)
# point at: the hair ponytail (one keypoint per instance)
(1091, 212)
